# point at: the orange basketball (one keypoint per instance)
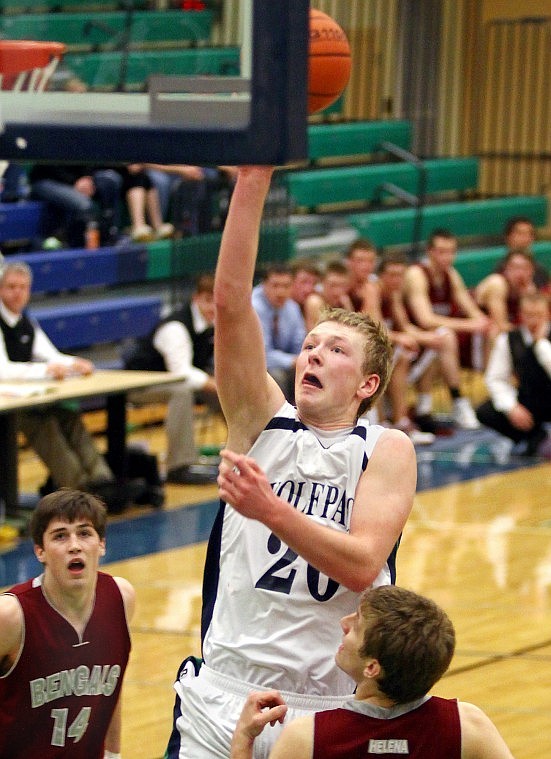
(328, 61)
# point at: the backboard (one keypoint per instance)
(253, 112)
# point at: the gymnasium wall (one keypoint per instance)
(471, 75)
(371, 29)
(511, 133)
(492, 9)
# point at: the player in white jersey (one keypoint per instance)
(313, 503)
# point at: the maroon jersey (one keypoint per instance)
(387, 312)
(513, 307)
(441, 296)
(59, 696)
(432, 729)
(356, 300)
(512, 304)
(440, 293)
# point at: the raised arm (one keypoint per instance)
(249, 397)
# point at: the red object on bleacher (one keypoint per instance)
(193, 5)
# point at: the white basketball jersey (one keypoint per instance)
(269, 617)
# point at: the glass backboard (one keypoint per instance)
(215, 104)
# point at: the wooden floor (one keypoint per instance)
(481, 548)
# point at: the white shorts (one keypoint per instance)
(208, 706)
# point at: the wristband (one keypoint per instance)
(110, 755)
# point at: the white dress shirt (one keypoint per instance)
(44, 353)
(174, 343)
(499, 372)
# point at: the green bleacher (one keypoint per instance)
(86, 30)
(476, 263)
(355, 138)
(466, 218)
(102, 70)
(189, 256)
(54, 6)
(363, 183)
(57, 6)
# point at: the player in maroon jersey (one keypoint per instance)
(395, 646)
(64, 640)
(436, 296)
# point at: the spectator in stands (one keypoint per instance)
(182, 343)
(142, 200)
(56, 433)
(334, 292)
(518, 378)
(77, 194)
(436, 350)
(282, 325)
(395, 647)
(90, 188)
(436, 296)
(194, 198)
(519, 233)
(306, 277)
(361, 259)
(499, 294)
(415, 350)
(130, 182)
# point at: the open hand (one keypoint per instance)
(243, 484)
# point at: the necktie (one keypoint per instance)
(275, 328)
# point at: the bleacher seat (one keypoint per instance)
(87, 30)
(355, 138)
(20, 222)
(74, 269)
(102, 70)
(84, 324)
(190, 256)
(119, 265)
(56, 6)
(464, 219)
(476, 263)
(363, 184)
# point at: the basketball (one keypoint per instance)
(329, 61)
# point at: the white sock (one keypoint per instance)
(424, 404)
